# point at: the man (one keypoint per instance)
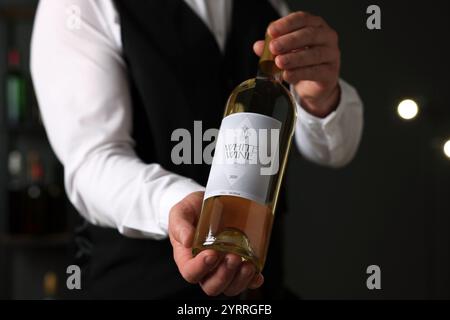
(114, 79)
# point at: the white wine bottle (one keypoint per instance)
(248, 166)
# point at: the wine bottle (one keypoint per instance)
(15, 90)
(15, 167)
(248, 166)
(36, 200)
(15, 187)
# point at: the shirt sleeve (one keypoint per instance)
(334, 140)
(81, 85)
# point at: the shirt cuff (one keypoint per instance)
(332, 140)
(324, 124)
(176, 192)
(149, 217)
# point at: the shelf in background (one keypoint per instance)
(36, 241)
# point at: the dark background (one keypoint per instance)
(390, 207)
(26, 258)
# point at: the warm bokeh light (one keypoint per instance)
(408, 109)
(447, 149)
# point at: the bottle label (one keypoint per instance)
(246, 157)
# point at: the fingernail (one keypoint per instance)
(210, 260)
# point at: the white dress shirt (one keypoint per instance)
(81, 83)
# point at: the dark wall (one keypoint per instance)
(390, 207)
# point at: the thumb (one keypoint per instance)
(258, 47)
(182, 225)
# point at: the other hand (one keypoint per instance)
(215, 272)
(307, 51)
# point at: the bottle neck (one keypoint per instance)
(267, 68)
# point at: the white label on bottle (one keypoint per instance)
(245, 158)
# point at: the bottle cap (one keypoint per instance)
(267, 60)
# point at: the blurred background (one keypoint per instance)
(390, 207)
(35, 214)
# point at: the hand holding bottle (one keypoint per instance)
(215, 272)
(307, 51)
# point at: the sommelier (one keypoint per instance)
(114, 79)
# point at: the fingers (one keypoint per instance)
(258, 47)
(292, 22)
(306, 58)
(182, 225)
(220, 279)
(300, 30)
(215, 274)
(231, 277)
(320, 73)
(194, 269)
(298, 39)
(305, 37)
(183, 219)
(241, 281)
(256, 282)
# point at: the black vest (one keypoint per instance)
(177, 75)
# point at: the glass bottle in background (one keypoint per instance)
(50, 285)
(35, 196)
(56, 211)
(36, 202)
(249, 162)
(15, 169)
(17, 181)
(15, 91)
